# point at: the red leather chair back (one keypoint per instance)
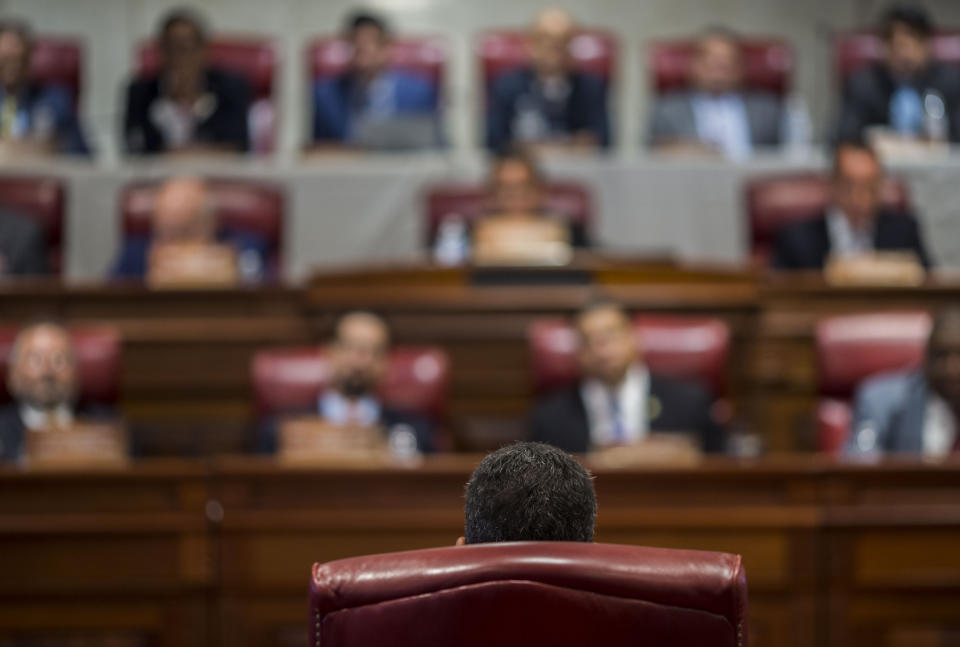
(768, 64)
(328, 57)
(594, 51)
(98, 362)
(291, 379)
(537, 593)
(58, 60)
(41, 199)
(250, 207)
(856, 49)
(686, 347)
(468, 201)
(776, 201)
(851, 348)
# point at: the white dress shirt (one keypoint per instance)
(939, 427)
(337, 409)
(844, 239)
(630, 399)
(721, 120)
(39, 420)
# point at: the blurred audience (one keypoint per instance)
(184, 223)
(22, 247)
(908, 93)
(618, 401)
(373, 105)
(34, 118)
(359, 359)
(548, 103)
(856, 222)
(914, 412)
(188, 105)
(717, 114)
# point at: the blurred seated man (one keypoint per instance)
(184, 234)
(618, 401)
(855, 224)
(373, 105)
(548, 103)
(908, 93)
(188, 106)
(914, 412)
(529, 492)
(717, 115)
(22, 247)
(359, 356)
(34, 118)
(43, 383)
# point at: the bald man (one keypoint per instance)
(548, 102)
(184, 214)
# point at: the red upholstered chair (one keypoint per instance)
(291, 379)
(537, 593)
(250, 207)
(42, 199)
(851, 348)
(253, 58)
(98, 361)
(58, 60)
(768, 64)
(776, 201)
(686, 347)
(426, 56)
(468, 201)
(853, 50)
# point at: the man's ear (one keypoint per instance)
(461, 541)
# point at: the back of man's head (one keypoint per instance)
(530, 492)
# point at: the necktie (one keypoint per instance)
(616, 420)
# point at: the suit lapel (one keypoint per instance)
(909, 436)
(579, 423)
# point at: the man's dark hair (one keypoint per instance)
(943, 320)
(362, 19)
(912, 16)
(20, 28)
(184, 16)
(529, 492)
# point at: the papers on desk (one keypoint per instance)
(191, 265)
(875, 269)
(85, 444)
(667, 449)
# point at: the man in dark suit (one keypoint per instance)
(188, 105)
(22, 248)
(855, 223)
(908, 92)
(548, 102)
(359, 355)
(716, 114)
(618, 401)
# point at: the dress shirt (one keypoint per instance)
(39, 420)
(939, 427)
(844, 239)
(337, 409)
(721, 120)
(630, 399)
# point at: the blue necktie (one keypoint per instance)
(619, 433)
(906, 111)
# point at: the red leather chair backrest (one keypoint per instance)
(856, 49)
(686, 347)
(58, 60)
(328, 57)
(776, 201)
(291, 379)
(537, 593)
(768, 64)
(41, 199)
(468, 201)
(250, 207)
(98, 362)
(594, 51)
(851, 348)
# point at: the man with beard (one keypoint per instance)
(359, 355)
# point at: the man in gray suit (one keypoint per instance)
(22, 247)
(914, 412)
(716, 114)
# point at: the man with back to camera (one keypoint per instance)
(856, 222)
(359, 358)
(618, 401)
(908, 91)
(529, 492)
(548, 102)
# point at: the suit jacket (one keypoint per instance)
(12, 429)
(561, 419)
(586, 108)
(867, 94)
(806, 245)
(332, 112)
(225, 125)
(673, 119)
(23, 249)
(894, 406)
(51, 107)
(131, 263)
